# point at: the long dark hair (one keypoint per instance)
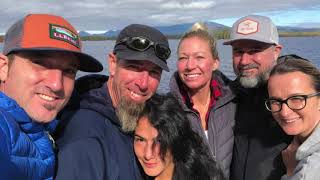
(191, 156)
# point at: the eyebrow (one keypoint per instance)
(138, 136)
(291, 95)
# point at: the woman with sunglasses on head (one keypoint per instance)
(166, 146)
(294, 100)
(203, 93)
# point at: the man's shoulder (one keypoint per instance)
(82, 123)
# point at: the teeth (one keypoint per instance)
(45, 97)
(289, 120)
(135, 94)
(192, 75)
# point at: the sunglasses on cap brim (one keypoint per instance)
(142, 44)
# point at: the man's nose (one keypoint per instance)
(54, 79)
(245, 58)
(143, 80)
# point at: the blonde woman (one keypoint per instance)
(203, 93)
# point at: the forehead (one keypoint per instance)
(62, 58)
(200, 40)
(141, 63)
(292, 81)
(145, 129)
(249, 44)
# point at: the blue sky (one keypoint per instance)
(302, 18)
(103, 15)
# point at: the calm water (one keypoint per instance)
(307, 47)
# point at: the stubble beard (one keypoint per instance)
(128, 113)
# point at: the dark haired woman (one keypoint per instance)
(166, 146)
(294, 100)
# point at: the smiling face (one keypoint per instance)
(147, 150)
(253, 60)
(295, 122)
(134, 80)
(40, 84)
(196, 63)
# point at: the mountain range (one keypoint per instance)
(179, 29)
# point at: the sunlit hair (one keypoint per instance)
(200, 30)
(191, 156)
(297, 64)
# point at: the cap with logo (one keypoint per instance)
(254, 27)
(44, 32)
(141, 42)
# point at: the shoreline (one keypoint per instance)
(217, 36)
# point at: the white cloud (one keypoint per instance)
(115, 14)
(186, 6)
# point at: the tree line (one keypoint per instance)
(218, 34)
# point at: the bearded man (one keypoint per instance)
(258, 139)
(94, 137)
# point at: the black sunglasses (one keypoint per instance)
(142, 44)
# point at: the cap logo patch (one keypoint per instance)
(248, 27)
(64, 34)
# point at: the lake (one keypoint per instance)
(307, 47)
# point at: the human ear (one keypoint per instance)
(277, 51)
(4, 67)
(216, 64)
(112, 63)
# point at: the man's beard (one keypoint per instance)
(128, 113)
(255, 81)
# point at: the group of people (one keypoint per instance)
(261, 126)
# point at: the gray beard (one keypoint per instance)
(253, 82)
(128, 114)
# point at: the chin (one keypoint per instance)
(153, 174)
(43, 118)
(291, 132)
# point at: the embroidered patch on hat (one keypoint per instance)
(248, 27)
(64, 34)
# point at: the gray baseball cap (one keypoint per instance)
(254, 27)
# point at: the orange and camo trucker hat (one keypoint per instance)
(44, 32)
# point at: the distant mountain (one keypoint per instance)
(182, 28)
(111, 33)
(297, 29)
(167, 30)
(84, 33)
(179, 29)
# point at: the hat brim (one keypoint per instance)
(148, 55)
(87, 62)
(229, 42)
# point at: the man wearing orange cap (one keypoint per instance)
(41, 56)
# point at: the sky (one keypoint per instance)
(103, 15)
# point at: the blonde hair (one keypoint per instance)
(200, 30)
